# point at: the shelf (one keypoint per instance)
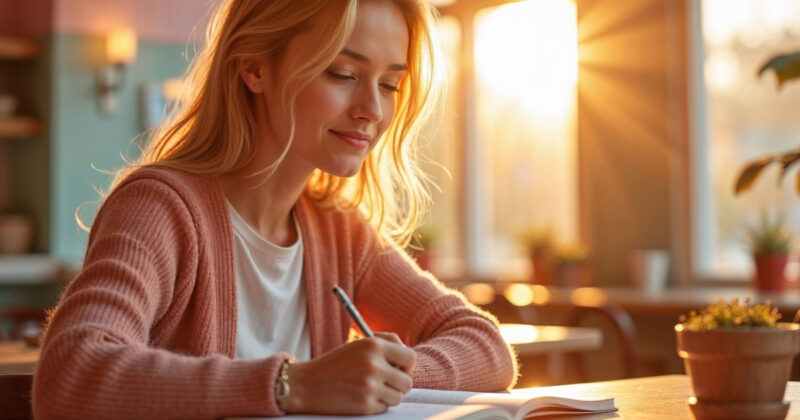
(19, 48)
(29, 269)
(19, 127)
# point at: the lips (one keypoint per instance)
(355, 139)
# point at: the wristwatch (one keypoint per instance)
(282, 382)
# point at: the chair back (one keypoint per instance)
(615, 320)
(15, 396)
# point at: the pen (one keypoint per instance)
(353, 311)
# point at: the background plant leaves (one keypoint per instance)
(786, 66)
(749, 174)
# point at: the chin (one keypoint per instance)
(348, 171)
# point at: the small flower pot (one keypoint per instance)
(570, 276)
(16, 233)
(542, 273)
(770, 272)
(739, 373)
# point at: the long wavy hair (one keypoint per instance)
(213, 132)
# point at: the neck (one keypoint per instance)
(265, 201)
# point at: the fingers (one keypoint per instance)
(398, 381)
(362, 377)
(389, 396)
(400, 356)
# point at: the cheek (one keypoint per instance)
(320, 103)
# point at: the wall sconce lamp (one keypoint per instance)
(120, 50)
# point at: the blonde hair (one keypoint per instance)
(389, 190)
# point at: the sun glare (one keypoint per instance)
(529, 51)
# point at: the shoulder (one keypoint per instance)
(154, 192)
(181, 182)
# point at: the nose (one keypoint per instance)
(367, 105)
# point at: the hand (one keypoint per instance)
(362, 377)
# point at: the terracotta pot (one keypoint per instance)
(570, 276)
(542, 274)
(16, 233)
(770, 272)
(739, 373)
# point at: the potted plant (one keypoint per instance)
(569, 264)
(770, 241)
(539, 245)
(739, 359)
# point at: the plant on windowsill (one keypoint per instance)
(738, 358)
(770, 241)
(786, 67)
(569, 264)
(539, 245)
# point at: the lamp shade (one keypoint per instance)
(121, 46)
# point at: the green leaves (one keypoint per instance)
(786, 66)
(753, 169)
(770, 236)
(750, 172)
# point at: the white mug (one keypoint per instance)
(649, 269)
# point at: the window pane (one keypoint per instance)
(526, 74)
(446, 150)
(747, 118)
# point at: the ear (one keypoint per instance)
(253, 73)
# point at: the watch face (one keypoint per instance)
(282, 382)
(281, 389)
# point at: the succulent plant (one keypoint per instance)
(732, 314)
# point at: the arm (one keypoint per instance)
(98, 358)
(457, 345)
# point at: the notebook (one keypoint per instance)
(460, 405)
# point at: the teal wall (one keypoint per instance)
(81, 137)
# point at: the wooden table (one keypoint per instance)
(531, 340)
(17, 357)
(655, 397)
(551, 341)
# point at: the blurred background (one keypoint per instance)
(587, 156)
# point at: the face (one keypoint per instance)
(342, 112)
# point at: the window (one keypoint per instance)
(509, 134)
(741, 117)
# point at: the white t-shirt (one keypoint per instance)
(271, 298)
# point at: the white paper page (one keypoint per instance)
(507, 402)
(402, 411)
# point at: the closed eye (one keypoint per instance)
(341, 76)
(391, 87)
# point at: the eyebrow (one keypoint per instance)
(362, 58)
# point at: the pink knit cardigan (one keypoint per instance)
(148, 327)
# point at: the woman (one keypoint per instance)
(206, 287)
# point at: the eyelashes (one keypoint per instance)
(349, 78)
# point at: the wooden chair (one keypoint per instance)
(15, 396)
(622, 338)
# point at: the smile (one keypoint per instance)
(357, 140)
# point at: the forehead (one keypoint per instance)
(380, 32)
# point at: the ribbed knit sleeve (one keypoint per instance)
(458, 346)
(102, 358)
